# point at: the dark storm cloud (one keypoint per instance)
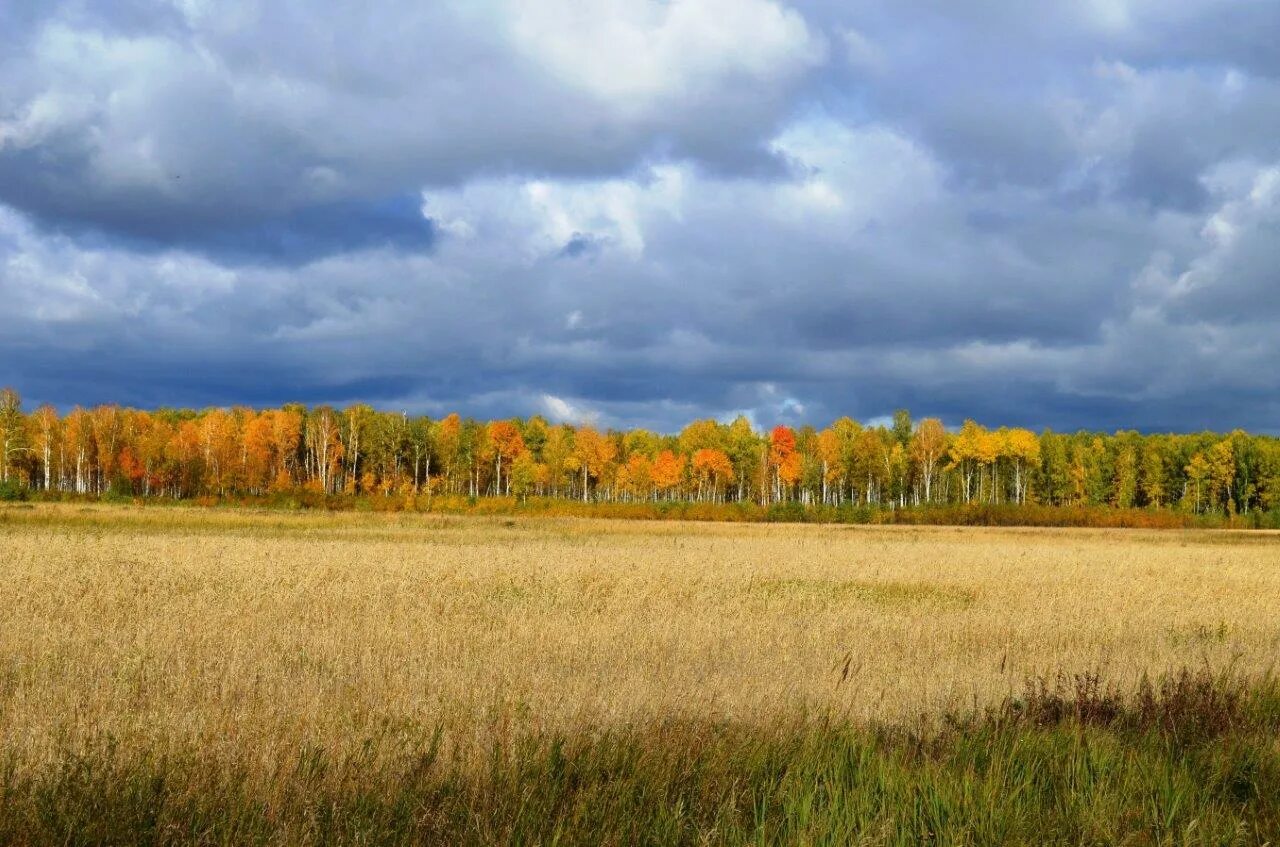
(1041, 214)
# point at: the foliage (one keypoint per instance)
(11, 491)
(842, 472)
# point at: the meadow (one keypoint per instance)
(188, 675)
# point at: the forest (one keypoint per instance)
(111, 451)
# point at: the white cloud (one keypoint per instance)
(559, 410)
(860, 173)
(541, 217)
(636, 53)
(846, 178)
(1238, 270)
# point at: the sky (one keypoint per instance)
(1063, 213)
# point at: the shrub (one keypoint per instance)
(11, 491)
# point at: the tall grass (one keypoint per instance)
(1191, 761)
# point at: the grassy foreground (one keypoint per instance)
(220, 676)
(1191, 761)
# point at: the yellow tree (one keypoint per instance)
(182, 453)
(990, 449)
(557, 455)
(523, 475)
(48, 435)
(1222, 473)
(507, 444)
(448, 446)
(286, 438)
(1153, 480)
(830, 455)
(77, 438)
(256, 448)
(700, 435)
(1197, 471)
(966, 451)
(218, 440)
(324, 448)
(928, 446)
(13, 430)
(1124, 488)
(896, 467)
(152, 444)
(357, 419)
(106, 425)
(1023, 448)
(594, 452)
(636, 476)
(868, 459)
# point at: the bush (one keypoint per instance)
(11, 491)
(792, 511)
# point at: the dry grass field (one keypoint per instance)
(253, 636)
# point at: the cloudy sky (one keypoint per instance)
(1060, 213)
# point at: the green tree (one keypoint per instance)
(1124, 489)
(1197, 471)
(13, 431)
(1151, 475)
(902, 427)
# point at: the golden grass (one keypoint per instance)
(264, 632)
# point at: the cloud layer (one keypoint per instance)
(645, 212)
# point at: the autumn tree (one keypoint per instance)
(668, 472)
(355, 421)
(286, 441)
(257, 449)
(184, 453)
(700, 435)
(1198, 472)
(1151, 479)
(420, 438)
(1221, 462)
(507, 444)
(928, 446)
(784, 460)
(48, 431)
(1124, 486)
(523, 475)
(712, 469)
(1023, 449)
(557, 456)
(965, 453)
(594, 452)
(831, 465)
(742, 446)
(13, 440)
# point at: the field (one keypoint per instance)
(230, 676)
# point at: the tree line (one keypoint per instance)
(182, 453)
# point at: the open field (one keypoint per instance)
(251, 641)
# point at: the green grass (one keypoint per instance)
(1192, 761)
